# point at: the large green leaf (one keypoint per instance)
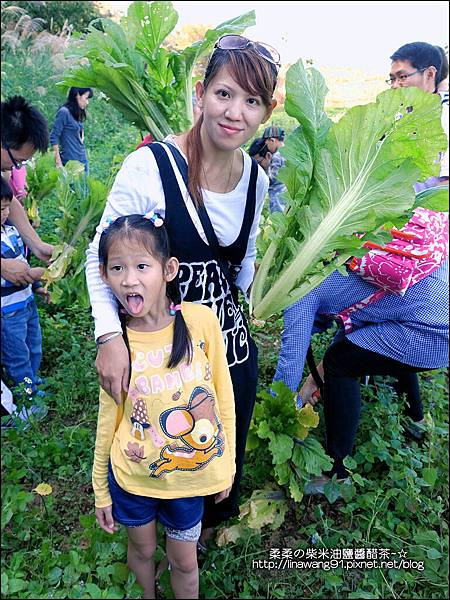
(363, 176)
(435, 198)
(305, 95)
(305, 98)
(149, 23)
(125, 92)
(311, 458)
(281, 446)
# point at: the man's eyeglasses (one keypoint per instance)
(17, 164)
(403, 78)
(238, 42)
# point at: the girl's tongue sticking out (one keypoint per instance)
(135, 303)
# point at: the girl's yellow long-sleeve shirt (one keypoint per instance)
(174, 434)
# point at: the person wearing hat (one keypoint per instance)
(274, 139)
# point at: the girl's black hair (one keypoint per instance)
(79, 114)
(156, 241)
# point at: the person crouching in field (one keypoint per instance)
(396, 336)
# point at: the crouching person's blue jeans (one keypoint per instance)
(21, 343)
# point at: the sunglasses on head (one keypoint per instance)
(238, 42)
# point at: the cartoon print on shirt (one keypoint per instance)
(176, 396)
(138, 362)
(140, 424)
(135, 452)
(139, 418)
(156, 438)
(208, 372)
(199, 435)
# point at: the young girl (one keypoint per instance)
(235, 97)
(68, 130)
(172, 440)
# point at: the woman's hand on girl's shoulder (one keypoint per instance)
(105, 519)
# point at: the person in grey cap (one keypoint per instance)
(274, 139)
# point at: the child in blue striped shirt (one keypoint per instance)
(21, 350)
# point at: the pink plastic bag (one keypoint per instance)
(417, 249)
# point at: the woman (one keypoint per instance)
(396, 336)
(68, 130)
(235, 97)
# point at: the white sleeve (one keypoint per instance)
(136, 190)
(444, 121)
(247, 272)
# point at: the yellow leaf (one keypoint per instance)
(308, 417)
(265, 507)
(229, 535)
(43, 489)
(302, 432)
(61, 258)
(33, 213)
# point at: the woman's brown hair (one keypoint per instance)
(252, 73)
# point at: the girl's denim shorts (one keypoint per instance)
(181, 517)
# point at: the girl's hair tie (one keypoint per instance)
(155, 218)
(173, 309)
(107, 222)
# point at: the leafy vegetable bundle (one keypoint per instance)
(342, 179)
(149, 84)
(81, 201)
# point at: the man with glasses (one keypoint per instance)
(421, 65)
(24, 131)
(15, 163)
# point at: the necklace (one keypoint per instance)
(229, 176)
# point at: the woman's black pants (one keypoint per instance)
(244, 377)
(344, 364)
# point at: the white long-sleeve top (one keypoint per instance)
(138, 189)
